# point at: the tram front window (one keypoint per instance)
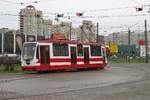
(29, 51)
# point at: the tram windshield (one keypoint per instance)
(28, 51)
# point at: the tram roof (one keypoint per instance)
(67, 42)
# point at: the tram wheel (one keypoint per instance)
(101, 68)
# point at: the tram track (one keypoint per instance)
(18, 77)
(23, 76)
(144, 78)
(81, 89)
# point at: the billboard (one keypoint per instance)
(143, 51)
(8, 43)
(19, 42)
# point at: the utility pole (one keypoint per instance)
(146, 43)
(70, 30)
(129, 42)
(97, 32)
(82, 33)
(129, 36)
(14, 46)
(2, 50)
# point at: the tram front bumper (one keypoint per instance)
(29, 68)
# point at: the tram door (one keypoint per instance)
(73, 55)
(44, 54)
(86, 55)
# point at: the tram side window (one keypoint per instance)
(95, 50)
(60, 49)
(80, 50)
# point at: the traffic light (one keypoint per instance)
(36, 2)
(148, 11)
(139, 8)
(60, 15)
(79, 14)
(21, 3)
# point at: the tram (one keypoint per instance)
(61, 55)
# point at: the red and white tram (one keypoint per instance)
(60, 55)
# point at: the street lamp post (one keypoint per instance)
(70, 30)
(129, 42)
(146, 43)
(97, 32)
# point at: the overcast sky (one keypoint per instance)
(107, 24)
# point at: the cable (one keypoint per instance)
(96, 10)
(7, 1)
(21, 3)
(9, 14)
(117, 16)
(120, 8)
(135, 15)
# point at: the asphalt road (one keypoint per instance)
(116, 82)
